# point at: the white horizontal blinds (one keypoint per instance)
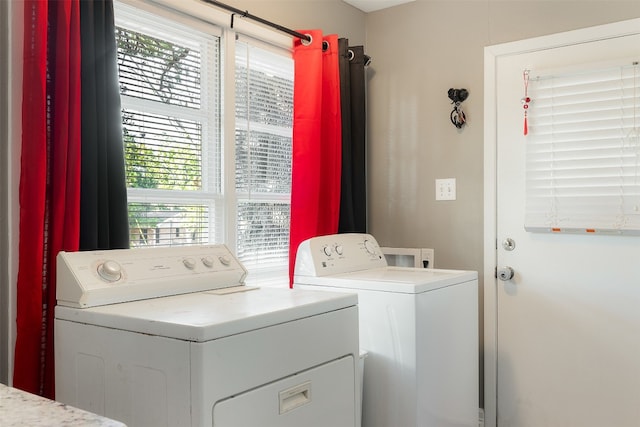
(158, 70)
(583, 152)
(263, 233)
(263, 134)
(169, 83)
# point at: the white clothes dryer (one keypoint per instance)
(171, 337)
(419, 327)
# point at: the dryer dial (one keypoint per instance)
(190, 263)
(207, 261)
(110, 271)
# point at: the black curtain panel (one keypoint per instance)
(353, 202)
(347, 221)
(103, 192)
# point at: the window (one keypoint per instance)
(183, 186)
(583, 152)
(263, 133)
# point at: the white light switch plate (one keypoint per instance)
(446, 189)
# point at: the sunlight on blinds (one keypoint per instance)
(263, 134)
(583, 152)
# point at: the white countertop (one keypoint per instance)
(19, 408)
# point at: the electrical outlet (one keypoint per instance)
(446, 189)
(428, 258)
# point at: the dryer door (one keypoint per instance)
(322, 396)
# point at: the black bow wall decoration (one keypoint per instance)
(457, 96)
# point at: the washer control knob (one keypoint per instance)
(224, 260)
(327, 250)
(190, 263)
(207, 261)
(339, 249)
(370, 247)
(110, 271)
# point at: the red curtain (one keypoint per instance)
(49, 180)
(315, 192)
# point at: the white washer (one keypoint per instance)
(171, 337)
(419, 327)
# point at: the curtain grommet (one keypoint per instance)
(307, 42)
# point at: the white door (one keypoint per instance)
(566, 328)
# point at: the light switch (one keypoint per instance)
(446, 189)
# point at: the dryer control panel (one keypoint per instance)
(93, 278)
(338, 253)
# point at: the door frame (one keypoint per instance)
(491, 56)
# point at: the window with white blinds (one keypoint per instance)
(172, 90)
(263, 135)
(169, 82)
(583, 152)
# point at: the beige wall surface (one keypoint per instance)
(331, 16)
(419, 51)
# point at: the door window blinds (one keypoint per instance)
(583, 152)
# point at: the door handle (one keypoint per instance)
(505, 273)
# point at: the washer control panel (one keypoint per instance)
(93, 278)
(338, 253)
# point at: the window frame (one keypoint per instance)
(212, 21)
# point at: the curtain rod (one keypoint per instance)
(246, 14)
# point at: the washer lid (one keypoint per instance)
(209, 315)
(407, 280)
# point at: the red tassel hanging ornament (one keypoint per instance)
(526, 100)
